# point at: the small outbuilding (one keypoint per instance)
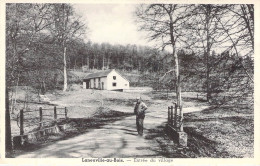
(106, 80)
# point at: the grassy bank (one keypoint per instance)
(219, 132)
(230, 130)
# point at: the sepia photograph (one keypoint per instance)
(129, 80)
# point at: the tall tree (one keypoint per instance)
(8, 136)
(203, 35)
(238, 26)
(228, 29)
(163, 22)
(66, 27)
(24, 23)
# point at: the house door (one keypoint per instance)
(102, 85)
(99, 86)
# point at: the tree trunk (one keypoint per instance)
(178, 83)
(8, 137)
(15, 94)
(65, 69)
(108, 61)
(103, 62)
(88, 62)
(118, 61)
(132, 61)
(75, 64)
(94, 62)
(207, 76)
(43, 88)
(246, 20)
(12, 102)
(13, 99)
(177, 73)
(207, 53)
(82, 61)
(65, 20)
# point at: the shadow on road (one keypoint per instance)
(75, 127)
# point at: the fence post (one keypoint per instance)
(171, 115)
(175, 115)
(21, 122)
(55, 113)
(40, 111)
(65, 112)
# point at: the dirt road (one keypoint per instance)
(118, 139)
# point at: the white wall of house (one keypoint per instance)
(95, 83)
(118, 83)
(84, 85)
(91, 83)
(112, 81)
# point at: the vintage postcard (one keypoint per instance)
(129, 82)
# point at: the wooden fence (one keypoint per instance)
(40, 120)
(175, 117)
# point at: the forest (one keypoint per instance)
(206, 48)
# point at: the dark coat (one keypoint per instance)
(139, 110)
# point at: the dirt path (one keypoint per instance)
(118, 139)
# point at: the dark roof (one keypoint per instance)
(102, 74)
(99, 74)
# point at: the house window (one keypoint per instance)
(114, 84)
(114, 77)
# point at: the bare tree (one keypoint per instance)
(163, 22)
(203, 35)
(66, 27)
(238, 27)
(24, 22)
(24, 25)
(228, 29)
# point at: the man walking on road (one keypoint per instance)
(139, 111)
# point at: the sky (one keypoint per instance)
(111, 23)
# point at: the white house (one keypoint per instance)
(106, 80)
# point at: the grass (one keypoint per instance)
(231, 131)
(226, 131)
